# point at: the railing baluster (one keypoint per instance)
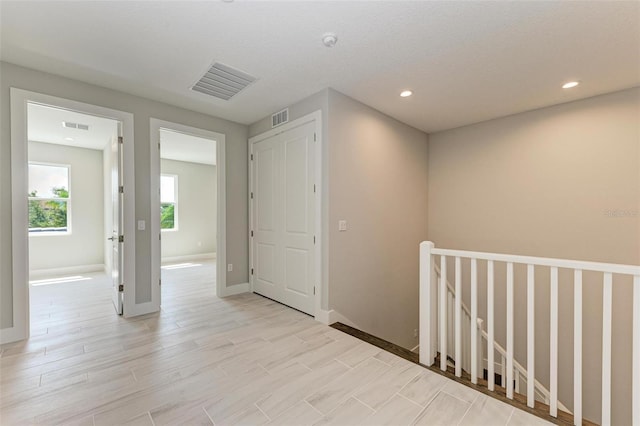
(531, 350)
(428, 317)
(607, 299)
(474, 321)
(479, 360)
(553, 345)
(577, 347)
(458, 318)
(491, 378)
(635, 410)
(517, 380)
(443, 313)
(503, 371)
(509, 384)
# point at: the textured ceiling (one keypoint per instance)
(465, 61)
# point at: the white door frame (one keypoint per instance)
(19, 208)
(221, 232)
(316, 117)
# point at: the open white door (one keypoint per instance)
(117, 238)
(284, 238)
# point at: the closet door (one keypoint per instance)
(283, 239)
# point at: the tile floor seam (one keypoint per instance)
(467, 411)
(151, 418)
(364, 403)
(404, 397)
(260, 409)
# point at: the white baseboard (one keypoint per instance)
(11, 334)
(331, 316)
(235, 289)
(82, 269)
(324, 317)
(189, 257)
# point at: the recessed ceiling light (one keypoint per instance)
(68, 139)
(406, 93)
(570, 84)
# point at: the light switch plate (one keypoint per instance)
(141, 225)
(342, 225)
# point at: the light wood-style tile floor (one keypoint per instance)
(203, 360)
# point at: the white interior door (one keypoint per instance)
(116, 240)
(283, 239)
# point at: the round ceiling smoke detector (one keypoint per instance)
(329, 39)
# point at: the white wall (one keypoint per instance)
(197, 210)
(85, 244)
(541, 183)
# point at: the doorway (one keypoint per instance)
(189, 212)
(62, 169)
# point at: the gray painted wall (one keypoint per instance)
(378, 183)
(142, 109)
(197, 214)
(540, 183)
(85, 244)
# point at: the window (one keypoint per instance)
(169, 202)
(49, 198)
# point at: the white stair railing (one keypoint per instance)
(442, 319)
(520, 373)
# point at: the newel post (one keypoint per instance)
(428, 307)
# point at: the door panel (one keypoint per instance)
(296, 185)
(284, 217)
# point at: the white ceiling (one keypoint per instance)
(183, 147)
(465, 61)
(44, 124)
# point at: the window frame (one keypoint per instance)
(68, 231)
(174, 203)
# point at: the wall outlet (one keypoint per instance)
(415, 332)
(230, 267)
(342, 225)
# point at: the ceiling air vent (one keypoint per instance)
(280, 118)
(223, 82)
(70, 125)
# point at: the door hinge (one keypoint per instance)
(251, 271)
(314, 137)
(121, 239)
(314, 188)
(252, 233)
(121, 287)
(121, 189)
(314, 239)
(314, 290)
(120, 139)
(251, 157)
(160, 282)
(252, 195)
(160, 237)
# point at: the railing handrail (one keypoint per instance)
(615, 268)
